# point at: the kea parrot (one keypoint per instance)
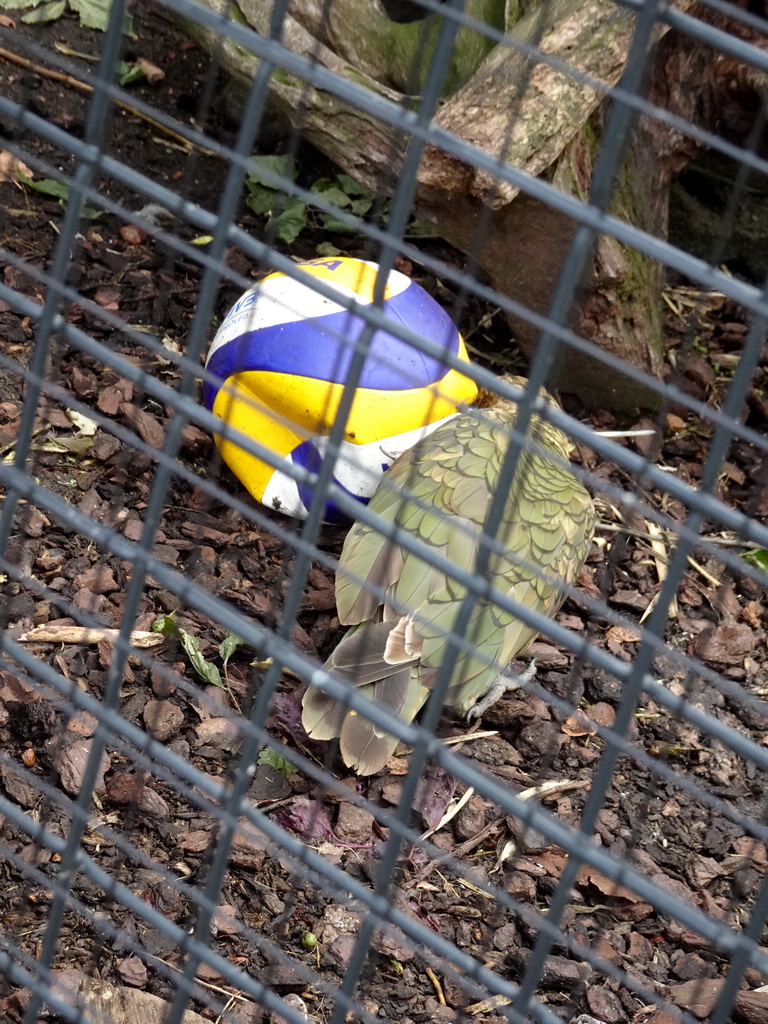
(440, 491)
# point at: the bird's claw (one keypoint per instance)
(506, 680)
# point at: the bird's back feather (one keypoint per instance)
(440, 492)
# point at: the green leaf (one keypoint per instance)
(331, 193)
(168, 627)
(45, 13)
(16, 5)
(260, 199)
(59, 190)
(327, 249)
(204, 669)
(330, 223)
(48, 186)
(758, 557)
(228, 646)
(361, 206)
(420, 229)
(95, 14)
(278, 164)
(291, 221)
(352, 187)
(130, 73)
(275, 760)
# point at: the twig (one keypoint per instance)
(450, 814)
(457, 851)
(87, 635)
(549, 788)
(436, 983)
(76, 83)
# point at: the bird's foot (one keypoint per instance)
(506, 680)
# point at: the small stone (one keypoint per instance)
(109, 401)
(220, 732)
(690, 966)
(439, 1011)
(196, 842)
(728, 645)
(71, 765)
(83, 724)
(753, 1006)
(342, 947)
(145, 424)
(605, 1004)
(281, 976)
(205, 972)
(269, 783)
(127, 789)
(163, 719)
(698, 997)
(133, 972)
(353, 824)
(471, 818)
(248, 846)
(506, 937)
(99, 579)
(520, 886)
(337, 920)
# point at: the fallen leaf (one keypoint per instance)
(10, 165)
(433, 796)
(579, 724)
(306, 818)
(606, 885)
(153, 73)
(728, 645)
(85, 425)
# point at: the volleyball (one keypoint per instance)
(281, 359)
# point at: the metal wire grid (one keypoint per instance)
(227, 801)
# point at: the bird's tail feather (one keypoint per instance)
(386, 679)
(366, 747)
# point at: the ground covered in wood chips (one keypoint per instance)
(272, 922)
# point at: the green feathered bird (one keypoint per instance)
(545, 533)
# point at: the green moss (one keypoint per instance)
(400, 56)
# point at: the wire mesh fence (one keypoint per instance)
(216, 806)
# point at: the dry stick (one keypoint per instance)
(76, 83)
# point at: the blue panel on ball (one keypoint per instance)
(322, 348)
(307, 455)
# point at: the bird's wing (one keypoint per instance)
(545, 533)
(444, 476)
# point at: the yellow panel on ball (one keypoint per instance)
(239, 408)
(313, 404)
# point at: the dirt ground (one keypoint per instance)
(271, 923)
